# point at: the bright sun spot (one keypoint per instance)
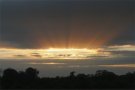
(69, 53)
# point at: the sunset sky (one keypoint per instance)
(64, 35)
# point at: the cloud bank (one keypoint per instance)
(66, 24)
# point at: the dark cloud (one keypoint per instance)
(36, 55)
(124, 53)
(119, 51)
(20, 56)
(80, 24)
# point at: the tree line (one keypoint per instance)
(102, 79)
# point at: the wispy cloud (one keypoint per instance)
(127, 47)
(119, 65)
(37, 55)
(46, 63)
(118, 50)
(20, 56)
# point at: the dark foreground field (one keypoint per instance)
(102, 79)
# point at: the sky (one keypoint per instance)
(64, 35)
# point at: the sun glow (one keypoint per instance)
(51, 53)
(69, 53)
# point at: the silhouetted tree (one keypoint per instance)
(105, 79)
(104, 73)
(102, 79)
(31, 77)
(72, 74)
(0, 77)
(0, 72)
(32, 73)
(10, 78)
(82, 76)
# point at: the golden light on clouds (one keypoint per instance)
(119, 65)
(51, 53)
(47, 63)
(127, 47)
(68, 53)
